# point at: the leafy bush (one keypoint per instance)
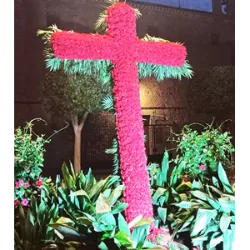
(86, 207)
(91, 212)
(201, 152)
(207, 212)
(28, 150)
(28, 163)
(31, 230)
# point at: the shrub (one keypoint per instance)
(28, 150)
(200, 152)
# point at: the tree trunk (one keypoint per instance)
(78, 134)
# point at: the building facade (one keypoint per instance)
(208, 36)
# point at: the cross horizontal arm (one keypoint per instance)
(161, 53)
(75, 46)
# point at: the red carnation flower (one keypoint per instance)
(39, 182)
(16, 202)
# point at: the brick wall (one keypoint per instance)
(209, 38)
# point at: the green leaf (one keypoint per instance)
(179, 246)
(216, 239)
(96, 189)
(224, 222)
(84, 221)
(111, 180)
(17, 239)
(187, 223)
(224, 180)
(162, 212)
(226, 205)
(89, 181)
(108, 219)
(199, 194)
(215, 182)
(72, 171)
(102, 205)
(80, 193)
(228, 240)
(165, 167)
(139, 236)
(120, 208)
(122, 225)
(144, 221)
(185, 204)
(123, 238)
(175, 195)
(92, 218)
(117, 192)
(107, 193)
(100, 227)
(203, 218)
(173, 178)
(65, 230)
(159, 178)
(215, 204)
(67, 177)
(103, 246)
(159, 192)
(64, 220)
(197, 185)
(135, 221)
(216, 190)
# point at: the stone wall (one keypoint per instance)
(209, 38)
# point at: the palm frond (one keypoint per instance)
(111, 1)
(108, 103)
(149, 38)
(46, 37)
(116, 160)
(138, 14)
(101, 25)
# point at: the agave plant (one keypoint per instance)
(208, 213)
(162, 187)
(91, 213)
(31, 231)
(87, 207)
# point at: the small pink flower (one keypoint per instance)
(27, 185)
(17, 184)
(183, 138)
(21, 182)
(25, 202)
(202, 167)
